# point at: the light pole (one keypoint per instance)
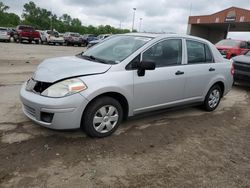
(134, 9)
(140, 24)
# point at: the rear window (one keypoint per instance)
(3, 29)
(75, 34)
(27, 28)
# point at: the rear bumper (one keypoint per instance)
(56, 41)
(66, 111)
(4, 37)
(75, 42)
(242, 76)
(29, 38)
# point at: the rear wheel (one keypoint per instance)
(102, 117)
(213, 97)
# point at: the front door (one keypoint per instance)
(164, 85)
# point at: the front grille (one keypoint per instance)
(30, 111)
(241, 66)
(41, 86)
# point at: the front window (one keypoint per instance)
(116, 49)
(231, 43)
(165, 53)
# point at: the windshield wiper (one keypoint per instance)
(92, 58)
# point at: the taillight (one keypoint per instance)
(232, 69)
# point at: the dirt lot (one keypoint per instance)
(175, 148)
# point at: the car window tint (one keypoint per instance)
(165, 53)
(243, 45)
(209, 57)
(196, 52)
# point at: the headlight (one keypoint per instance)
(65, 88)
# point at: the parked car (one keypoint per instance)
(72, 39)
(88, 38)
(126, 75)
(27, 33)
(51, 37)
(242, 68)
(99, 39)
(12, 32)
(230, 48)
(4, 34)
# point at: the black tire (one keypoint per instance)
(206, 104)
(37, 41)
(92, 109)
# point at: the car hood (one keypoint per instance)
(223, 47)
(51, 70)
(95, 41)
(242, 58)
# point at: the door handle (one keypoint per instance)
(211, 69)
(179, 72)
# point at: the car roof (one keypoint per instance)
(166, 35)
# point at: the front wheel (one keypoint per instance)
(102, 117)
(213, 97)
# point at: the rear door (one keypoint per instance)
(200, 69)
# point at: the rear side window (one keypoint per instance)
(198, 52)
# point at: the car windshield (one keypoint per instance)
(228, 43)
(248, 53)
(116, 49)
(75, 34)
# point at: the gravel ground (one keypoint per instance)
(184, 147)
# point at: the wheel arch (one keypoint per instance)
(116, 95)
(220, 84)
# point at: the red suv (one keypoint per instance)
(26, 33)
(230, 48)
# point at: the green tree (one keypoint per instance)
(8, 19)
(3, 7)
(43, 19)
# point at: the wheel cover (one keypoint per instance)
(214, 98)
(105, 119)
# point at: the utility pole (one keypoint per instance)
(120, 25)
(140, 24)
(134, 9)
(51, 20)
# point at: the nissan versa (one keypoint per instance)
(123, 76)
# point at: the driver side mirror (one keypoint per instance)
(145, 65)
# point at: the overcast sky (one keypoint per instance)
(157, 15)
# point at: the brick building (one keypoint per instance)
(216, 26)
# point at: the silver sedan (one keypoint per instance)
(123, 76)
